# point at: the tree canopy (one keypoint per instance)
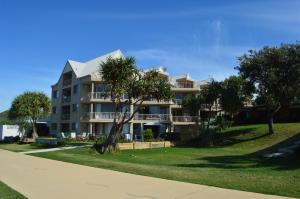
(275, 73)
(30, 106)
(123, 78)
(235, 92)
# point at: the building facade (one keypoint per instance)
(80, 104)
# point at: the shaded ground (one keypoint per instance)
(236, 162)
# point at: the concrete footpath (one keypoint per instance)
(39, 178)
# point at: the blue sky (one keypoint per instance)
(202, 38)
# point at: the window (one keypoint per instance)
(55, 94)
(74, 107)
(54, 110)
(75, 89)
(74, 126)
(54, 126)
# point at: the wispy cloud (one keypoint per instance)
(202, 64)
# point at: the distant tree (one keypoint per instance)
(124, 79)
(30, 106)
(235, 92)
(206, 98)
(211, 94)
(275, 73)
(193, 103)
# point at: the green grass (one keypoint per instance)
(18, 147)
(8, 193)
(235, 163)
(29, 147)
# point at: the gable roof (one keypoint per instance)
(90, 67)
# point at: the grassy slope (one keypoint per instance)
(8, 193)
(236, 163)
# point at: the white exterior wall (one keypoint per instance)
(8, 131)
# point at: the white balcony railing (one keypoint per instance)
(177, 101)
(111, 116)
(184, 118)
(102, 115)
(160, 117)
(102, 95)
(185, 85)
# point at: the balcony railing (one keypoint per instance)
(65, 116)
(66, 99)
(102, 95)
(184, 118)
(111, 116)
(184, 85)
(102, 115)
(160, 117)
(67, 82)
(177, 101)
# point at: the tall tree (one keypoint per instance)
(30, 106)
(193, 103)
(206, 98)
(235, 92)
(275, 73)
(211, 94)
(124, 79)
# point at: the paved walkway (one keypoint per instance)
(39, 178)
(53, 149)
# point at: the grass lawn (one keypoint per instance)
(8, 193)
(17, 147)
(28, 147)
(235, 163)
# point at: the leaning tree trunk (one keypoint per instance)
(34, 131)
(110, 144)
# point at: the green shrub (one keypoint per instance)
(148, 135)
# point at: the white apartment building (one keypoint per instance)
(79, 103)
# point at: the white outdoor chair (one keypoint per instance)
(73, 135)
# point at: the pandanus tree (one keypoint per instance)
(123, 78)
(30, 106)
(275, 73)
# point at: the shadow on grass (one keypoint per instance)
(236, 136)
(252, 160)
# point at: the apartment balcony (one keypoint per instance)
(99, 97)
(186, 87)
(67, 82)
(65, 116)
(151, 117)
(109, 117)
(153, 101)
(66, 99)
(103, 116)
(184, 119)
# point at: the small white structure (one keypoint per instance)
(9, 131)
